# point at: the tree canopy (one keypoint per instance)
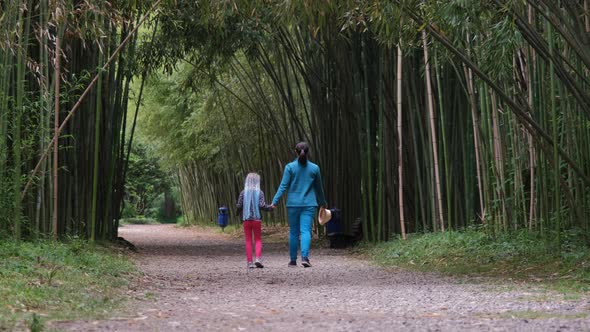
(423, 115)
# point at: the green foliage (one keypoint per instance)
(165, 207)
(183, 120)
(205, 33)
(139, 220)
(519, 255)
(145, 182)
(35, 324)
(92, 29)
(494, 38)
(247, 79)
(43, 280)
(163, 122)
(205, 133)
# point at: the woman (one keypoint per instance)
(303, 182)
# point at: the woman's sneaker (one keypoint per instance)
(250, 265)
(292, 264)
(305, 262)
(258, 263)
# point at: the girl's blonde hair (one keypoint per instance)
(252, 181)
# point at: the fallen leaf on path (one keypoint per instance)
(434, 314)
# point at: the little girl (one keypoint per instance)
(250, 202)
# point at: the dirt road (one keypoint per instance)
(196, 280)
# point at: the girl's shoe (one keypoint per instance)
(258, 263)
(250, 265)
(292, 264)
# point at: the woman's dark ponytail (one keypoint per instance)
(302, 149)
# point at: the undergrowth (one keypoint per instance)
(139, 221)
(45, 280)
(518, 255)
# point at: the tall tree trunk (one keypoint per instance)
(498, 158)
(56, 130)
(44, 105)
(433, 132)
(554, 128)
(96, 153)
(445, 149)
(368, 153)
(531, 145)
(476, 140)
(16, 129)
(381, 234)
(400, 154)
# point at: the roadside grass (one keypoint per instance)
(139, 220)
(205, 223)
(44, 280)
(270, 233)
(142, 220)
(519, 256)
(529, 314)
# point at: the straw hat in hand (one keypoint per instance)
(324, 216)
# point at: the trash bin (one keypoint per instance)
(223, 217)
(335, 225)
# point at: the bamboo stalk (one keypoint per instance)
(444, 142)
(18, 113)
(499, 159)
(96, 155)
(368, 154)
(433, 132)
(416, 130)
(531, 145)
(400, 155)
(554, 129)
(529, 123)
(586, 17)
(490, 194)
(85, 94)
(381, 234)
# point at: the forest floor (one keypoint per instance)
(195, 279)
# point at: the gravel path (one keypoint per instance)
(196, 280)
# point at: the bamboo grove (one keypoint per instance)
(423, 115)
(50, 51)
